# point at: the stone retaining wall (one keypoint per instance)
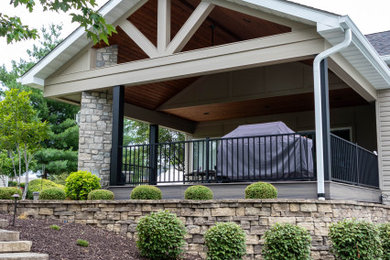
(254, 216)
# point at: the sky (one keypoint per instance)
(370, 16)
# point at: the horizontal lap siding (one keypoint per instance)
(383, 128)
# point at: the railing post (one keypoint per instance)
(357, 164)
(116, 175)
(207, 158)
(153, 141)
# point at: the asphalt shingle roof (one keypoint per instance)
(381, 42)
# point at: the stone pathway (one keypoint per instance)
(11, 248)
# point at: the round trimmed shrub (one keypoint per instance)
(52, 194)
(384, 233)
(161, 236)
(39, 185)
(225, 241)
(101, 195)
(353, 239)
(7, 192)
(198, 192)
(146, 192)
(80, 184)
(286, 241)
(261, 190)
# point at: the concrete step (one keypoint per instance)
(3, 223)
(24, 256)
(7, 235)
(15, 246)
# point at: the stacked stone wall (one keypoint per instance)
(254, 216)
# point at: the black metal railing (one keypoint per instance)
(353, 164)
(235, 159)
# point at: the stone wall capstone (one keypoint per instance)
(254, 216)
(95, 134)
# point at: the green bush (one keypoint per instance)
(15, 184)
(353, 239)
(384, 233)
(7, 192)
(101, 195)
(55, 227)
(198, 192)
(80, 184)
(161, 236)
(81, 242)
(39, 185)
(52, 194)
(286, 241)
(146, 192)
(261, 190)
(225, 241)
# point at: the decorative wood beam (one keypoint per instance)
(263, 51)
(139, 38)
(190, 27)
(159, 118)
(163, 25)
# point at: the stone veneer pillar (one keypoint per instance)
(95, 134)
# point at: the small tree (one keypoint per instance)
(6, 169)
(20, 130)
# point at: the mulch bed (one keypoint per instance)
(61, 244)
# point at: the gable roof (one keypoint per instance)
(381, 42)
(360, 54)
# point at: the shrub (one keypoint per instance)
(39, 185)
(80, 184)
(15, 184)
(198, 192)
(261, 190)
(55, 227)
(52, 194)
(7, 192)
(225, 241)
(286, 241)
(101, 195)
(384, 233)
(160, 236)
(146, 192)
(81, 242)
(352, 239)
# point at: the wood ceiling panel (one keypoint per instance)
(265, 106)
(145, 19)
(151, 96)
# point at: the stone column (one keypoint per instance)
(95, 134)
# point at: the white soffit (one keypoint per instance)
(361, 55)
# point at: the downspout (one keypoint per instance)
(317, 108)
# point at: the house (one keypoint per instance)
(207, 67)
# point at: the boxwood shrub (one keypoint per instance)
(101, 195)
(286, 241)
(146, 192)
(161, 236)
(261, 190)
(52, 194)
(80, 184)
(198, 192)
(225, 241)
(353, 239)
(39, 185)
(384, 233)
(7, 192)
(15, 184)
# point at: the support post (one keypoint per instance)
(325, 119)
(116, 176)
(153, 141)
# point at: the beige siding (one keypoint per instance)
(383, 122)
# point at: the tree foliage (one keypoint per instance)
(82, 12)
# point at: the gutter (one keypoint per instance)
(318, 111)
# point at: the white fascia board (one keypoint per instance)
(386, 58)
(293, 11)
(365, 47)
(32, 77)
